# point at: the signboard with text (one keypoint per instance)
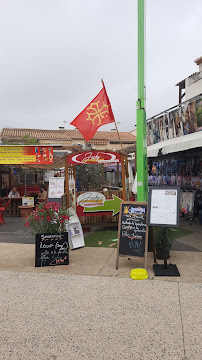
(94, 157)
(93, 203)
(132, 230)
(56, 187)
(26, 155)
(27, 201)
(164, 206)
(51, 249)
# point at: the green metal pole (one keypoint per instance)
(141, 140)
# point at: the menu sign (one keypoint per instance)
(164, 206)
(133, 231)
(28, 201)
(56, 187)
(51, 249)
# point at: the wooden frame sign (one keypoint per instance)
(132, 231)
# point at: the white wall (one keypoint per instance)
(194, 89)
(134, 132)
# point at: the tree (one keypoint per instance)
(89, 176)
(26, 140)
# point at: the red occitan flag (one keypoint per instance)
(96, 114)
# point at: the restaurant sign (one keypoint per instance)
(93, 203)
(91, 199)
(94, 157)
(26, 154)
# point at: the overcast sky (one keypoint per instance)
(54, 54)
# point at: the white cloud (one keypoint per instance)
(54, 54)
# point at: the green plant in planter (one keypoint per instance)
(159, 240)
(49, 218)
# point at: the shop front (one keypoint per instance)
(97, 202)
(179, 162)
(20, 169)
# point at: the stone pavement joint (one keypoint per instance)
(180, 309)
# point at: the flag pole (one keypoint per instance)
(114, 119)
(141, 141)
(126, 161)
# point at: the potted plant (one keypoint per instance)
(183, 211)
(48, 217)
(48, 223)
(159, 241)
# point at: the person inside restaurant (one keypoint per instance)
(13, 192)
(43, 195)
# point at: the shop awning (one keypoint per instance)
(183, 143)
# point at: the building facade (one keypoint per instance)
(102, 140)
(192, 85)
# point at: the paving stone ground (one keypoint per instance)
(57, 316)
(90, 310)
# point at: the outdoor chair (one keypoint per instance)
(2, 212)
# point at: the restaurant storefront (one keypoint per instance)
(175, 157)
(20, 167)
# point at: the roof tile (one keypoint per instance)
(7, 133)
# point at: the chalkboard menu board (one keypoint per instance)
(133, 231)
(51, 249)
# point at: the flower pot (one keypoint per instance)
(51, 249)
(25, 211)
(160, 253)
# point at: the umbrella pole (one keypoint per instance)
(25, 183)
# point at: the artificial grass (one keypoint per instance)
(104, 238)
(181, 232)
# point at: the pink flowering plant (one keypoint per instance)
(48, 217)
(183, 211)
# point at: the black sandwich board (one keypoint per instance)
(51, 249)
(132, 231)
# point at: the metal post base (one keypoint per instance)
(171, 270)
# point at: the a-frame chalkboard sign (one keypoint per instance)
(132, 231)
